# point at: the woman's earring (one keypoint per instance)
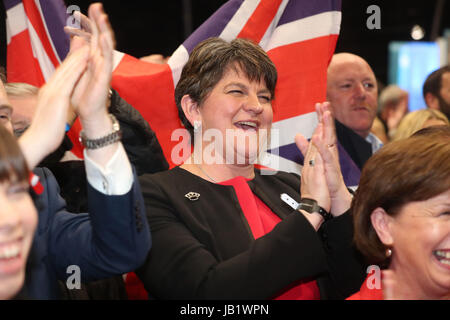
(197, 126)
(388, 253)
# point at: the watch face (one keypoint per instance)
(309, 205)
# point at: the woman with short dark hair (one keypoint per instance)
(222, 229)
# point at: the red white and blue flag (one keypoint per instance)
(299, 36)
(35, 38)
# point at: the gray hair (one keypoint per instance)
(392, 94)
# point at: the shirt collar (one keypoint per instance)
(374, 141)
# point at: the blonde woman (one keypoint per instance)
(417, 120)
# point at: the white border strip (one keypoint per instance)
(288, 128)
(55, 52)
(238, 21)
(45, 64)
(322, 24)
(269, 32)
(15, 21)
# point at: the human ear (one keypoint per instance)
(190, 109)
(382, 222)
(431, 101)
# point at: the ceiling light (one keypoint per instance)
(417, 32)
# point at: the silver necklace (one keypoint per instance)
(201, 169)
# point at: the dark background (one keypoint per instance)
(146, 27)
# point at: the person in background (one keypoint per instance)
(222, 229)
(417, 120)
(23, 99)
(139, 140)
(392, 107)
(402, 218)
(18, 216)
(114, 238)
(436, 90)
(353, 94)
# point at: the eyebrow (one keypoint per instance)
(353, 79)
(6, 106)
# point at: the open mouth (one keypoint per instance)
(247, 125)
(443, 256)
(9, 252)
(11, 259)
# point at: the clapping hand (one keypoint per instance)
(47, 129)
(91, 94)
(324, 141)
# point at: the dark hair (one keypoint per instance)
(403, 171)
(12, 162)
(208, 62)
(433, 83)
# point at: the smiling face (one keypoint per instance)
(241, 111)
(18, 219)
(18, 216)
(420, 239)
(352, 92)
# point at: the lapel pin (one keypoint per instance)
(193, 196)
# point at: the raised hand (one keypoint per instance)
(325, 141)
(313, 180)
(92, 92)
(47, 129)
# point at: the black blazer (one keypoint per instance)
(204, 249)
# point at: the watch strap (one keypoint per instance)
(114, 136)
(311, 206)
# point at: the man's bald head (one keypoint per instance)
(352, 92)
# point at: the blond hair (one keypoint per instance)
(20, 89)
(415, 121)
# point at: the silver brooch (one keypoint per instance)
(193, 196)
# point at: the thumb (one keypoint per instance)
(301, 143)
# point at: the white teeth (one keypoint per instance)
(9, 252)
(248, 123)
(442, 254)
(444, 261)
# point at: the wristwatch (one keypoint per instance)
(110, 138)
(311, 206)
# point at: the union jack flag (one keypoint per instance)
(299, 36)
